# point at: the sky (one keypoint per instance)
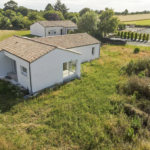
(77, 5)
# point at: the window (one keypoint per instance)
(24, 70)
(93, 50)
(49, 32)
(54, 31)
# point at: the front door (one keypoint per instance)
(61, 31)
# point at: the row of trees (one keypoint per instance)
(126, 12)
(133, 36)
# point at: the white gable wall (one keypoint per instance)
(48, 70)
(5, 64)
(37, 29)
(86, 52)
(22, 79)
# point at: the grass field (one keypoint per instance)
(84, 114)
(4, 34)
(142, 22)
(127, 18)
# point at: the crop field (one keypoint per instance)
(80, 115)
(142, 22)
(4, 34)
(130, 18)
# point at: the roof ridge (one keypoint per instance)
(36, 41)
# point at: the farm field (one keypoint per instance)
(142, 22)
(4, 34)
(83, 114)
(128, 18)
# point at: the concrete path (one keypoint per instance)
(147, 44)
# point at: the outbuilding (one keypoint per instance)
(52, 28)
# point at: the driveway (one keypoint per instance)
(147, 44)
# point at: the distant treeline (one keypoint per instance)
(126, 12)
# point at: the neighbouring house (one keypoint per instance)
(83, 43)
(52, 28)
(39, 63)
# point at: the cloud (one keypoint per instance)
(77, 5)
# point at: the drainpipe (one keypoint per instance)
(30, 77)
(99, 49)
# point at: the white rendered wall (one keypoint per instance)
(22, 79)
(58, 31)
(37, 29)
(5, 64)
(48, 70)
(86, 52)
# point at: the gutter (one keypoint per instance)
(30, 77)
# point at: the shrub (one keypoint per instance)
(147, 37)
(136, 50)
(132, 35)
(140, 85)
(140, 36)
(118, 33)
(129, 35)
(136, 36)
(125, 35)
(122, 34)
(144, 37)
(130, 136)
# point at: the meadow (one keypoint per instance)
(127, 18)
(141, 22)
(82, 114)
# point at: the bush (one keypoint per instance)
(122, 34)
(144, 37)
(129, 35)
(122, 26)
(132, 35)
(147, 37)
(125, 35)
(118, 33)
(140, 36)
(140, 85)
(136, 36)
(136, 50)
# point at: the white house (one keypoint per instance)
(83, 43)
(39, 63)
(52, 28)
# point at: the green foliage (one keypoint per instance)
(4, 23)
(49, 7)
(136, 123)
(147, 37)
(17, 22)
(125, 35)
(70, 15)
(119, 33)
(88, 22)
(11, 5)
(126, 12)
(132, 35)
(136, 36)
(74, 19)
(108, 23)
(122, 34)
(47, 14)
(10, 13)
(144, 37)
(121, 26)
(140, 36)
(35, 16)
(84, 10)
(130, 136)
(23, 10)
(129, 35)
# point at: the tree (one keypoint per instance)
(74, 19)
(4, 23)
(49, 7)
(88, 22)
(47, 14)
(147, 37)
(70, 15)
(140, 36)
(126, 12)
(125, 35)
(11, 5)
(121, 26)
(54, 16)
(10, 13)
(84, 10)
(35, 16)
(17, 23)
(60, 7)
(108, 23)
(23, 10)
(136, 36)
(144, 37)
(122, 34)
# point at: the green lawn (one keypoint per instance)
(83, 114)
(4, 34)
(142, 22)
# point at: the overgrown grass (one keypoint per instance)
(83, 114)
(4, 34)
